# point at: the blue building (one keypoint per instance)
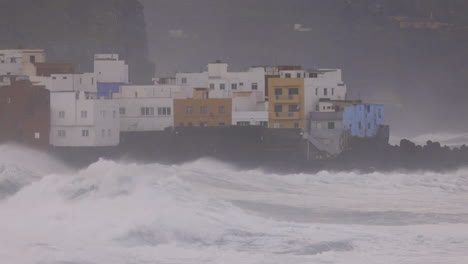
(363, 120)
(107, 89)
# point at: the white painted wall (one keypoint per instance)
(133, 98)
(109, 69)
(253, 117)
(328, 84)
(18, 62)
(67, 114)
(218, 75)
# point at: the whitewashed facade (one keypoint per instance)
(222, 83)
(109, 69)
(246, 110)
(147, 107)
(80, 119)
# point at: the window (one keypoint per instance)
(203, 124)
(84, 114)
(221, 124)
(136, 94)
(241, 84)
(189, 110)
(8, 100)
(37, 135)
(293, 91)
(293, 108)
(331, 125)
(190, 124)
(103, 113)
(108, 132)
(164, 111)
(296, 125)
(222, 86)
(13, 60)
(278, 91)
(243, 123)
(278, 108)
(114, 114)
(212, 86)
(202, 110)
(234, 86)
(61, 114)
(316, 91)
(368, 126)
(298, 75)
(312, 75)
(147, 111)
(380, 113)
(254, 86)
(184, 80)
(62, 133)
(264, 123)
(333, 91)
(360, 125)
(368, 108)
(32, 59)
(287, 75)
(325, 91)
(222, 109)
(103, 133)
(92, 80)
(122, 110)
(85, 133)
(64, 77)
(54, 78)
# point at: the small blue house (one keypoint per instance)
(107, 89)
(363, 120)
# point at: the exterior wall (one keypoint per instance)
(25, 114)
(212, 117)
(218, 77)
(68, 82)
(159, 98)
(109, 69)
(252, 118)
(101, 120)
(327, 132)
(47, 69)
(20, 62)
(327, 85)
(363, 120)
(285, 118)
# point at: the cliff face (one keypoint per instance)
(74, 31)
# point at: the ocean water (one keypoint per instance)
(210, 212)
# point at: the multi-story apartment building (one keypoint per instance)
(147, 108)
(19, 62)
(202, 111)
(296, 93)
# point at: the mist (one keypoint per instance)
(419, 73)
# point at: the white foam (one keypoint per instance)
(209, 212)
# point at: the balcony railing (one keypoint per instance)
(290, 97)
(287, 115)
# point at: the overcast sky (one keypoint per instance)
(419, 74)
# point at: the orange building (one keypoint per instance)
(202, 111)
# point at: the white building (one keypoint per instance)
(147, 108)
(109, 69)
(222, 83)
(246, 110)
(80, 119)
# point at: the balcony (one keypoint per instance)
(286, 98)
(286, 115)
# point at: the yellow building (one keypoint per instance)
(202, 111)
(286, 102)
